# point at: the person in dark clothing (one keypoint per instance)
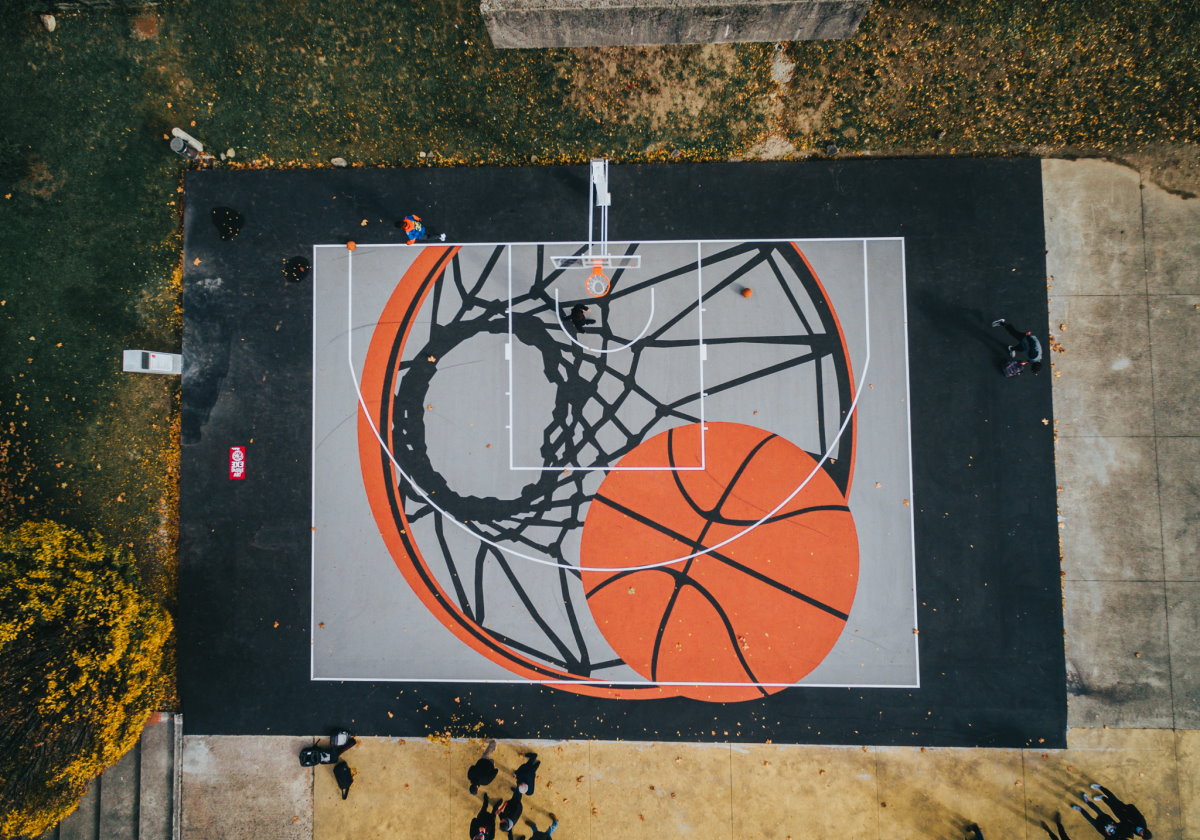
(509, 812)
(1061, 834)
(973, 832)
(1129, 818)
(578, 317)
(1027, 343)
(483, 827)
(1102, 822)
(482, 772)
(527, 773)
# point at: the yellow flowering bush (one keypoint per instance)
(81, 656)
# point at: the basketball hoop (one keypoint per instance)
(597, 282)
(597, 256)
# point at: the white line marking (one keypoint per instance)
(703, 348)
(912, 502)
(595, 468)
(599, 682)
(545, 561)
(511, 445)
(312, 535)
(570, 338)
(618, 242)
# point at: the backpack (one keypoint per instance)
(344, 776)
(314, 755)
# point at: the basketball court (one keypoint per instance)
(768, 485)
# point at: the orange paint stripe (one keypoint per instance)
(849, 365)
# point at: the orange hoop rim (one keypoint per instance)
(597, 271)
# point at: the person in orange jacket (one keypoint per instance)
(415, 230)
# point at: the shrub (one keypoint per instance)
(81, 653)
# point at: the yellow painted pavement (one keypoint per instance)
(412, 788)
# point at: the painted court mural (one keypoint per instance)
(699, 486)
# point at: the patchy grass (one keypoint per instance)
(988, 77)
(89, 216)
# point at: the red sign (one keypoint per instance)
(237, 463)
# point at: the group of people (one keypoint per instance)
(1123, 821)
(505, 812)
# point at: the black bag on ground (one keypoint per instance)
(314, 755)
(341, 741)
(344, 777)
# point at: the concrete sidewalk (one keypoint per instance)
(1124, 260)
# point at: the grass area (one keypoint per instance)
(984, 76)
(89, 217)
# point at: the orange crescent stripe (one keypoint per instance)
(849, 365)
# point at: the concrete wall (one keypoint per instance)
(591, 23)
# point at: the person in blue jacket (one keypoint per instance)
(415, 230)
(1027, 343)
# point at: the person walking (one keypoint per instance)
(1027, 344)
(483, 827)
(1127, 814)
(483, 772)
(973, 832)
(579, 318)
(509, 812)
(415, 230)
(527, 773)
(1102, 822)
(1061, 834)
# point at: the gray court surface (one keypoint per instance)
(491, 425)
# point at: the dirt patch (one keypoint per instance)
(782, 68)
(1174, 167)
(808, 120)
(146, 27)
(662, 85)
(772, 147)
(39, 181)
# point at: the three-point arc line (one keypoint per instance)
(625, 346)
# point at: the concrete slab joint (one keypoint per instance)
(520, 24)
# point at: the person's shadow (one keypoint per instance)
(963, 325)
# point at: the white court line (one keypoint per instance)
(570, 338)
(594, 468)
(700, 346)
(912, 503)
(602, 682)
(618, 242)
(545, 561)
(508, 354)
(312, 513)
